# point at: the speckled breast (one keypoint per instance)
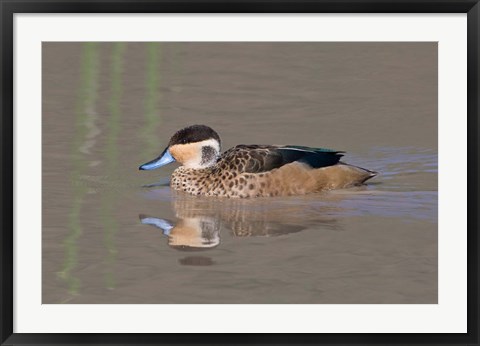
(216, 182)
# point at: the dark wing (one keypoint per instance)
(263, 158)
(314, 157)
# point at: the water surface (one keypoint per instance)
(109, 107)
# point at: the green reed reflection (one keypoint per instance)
(110, 225)
(152, 113)
(85, 109)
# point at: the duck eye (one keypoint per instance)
(184, 141)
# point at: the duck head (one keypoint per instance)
(196, 147)
(195, 233)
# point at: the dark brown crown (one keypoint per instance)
(192, 134)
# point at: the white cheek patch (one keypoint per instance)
(211, 143)
(196, 161)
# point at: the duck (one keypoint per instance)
(247, 171)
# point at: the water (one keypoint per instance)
(109, 107)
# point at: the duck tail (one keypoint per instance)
(362, 174)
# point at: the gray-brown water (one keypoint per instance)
(109, 107)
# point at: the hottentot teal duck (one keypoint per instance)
(252, 170)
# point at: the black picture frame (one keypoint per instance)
(10, 7)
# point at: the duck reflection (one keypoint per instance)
(200, 219)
